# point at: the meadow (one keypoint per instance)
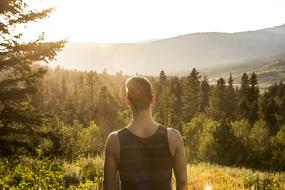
(210, 177)
(87, 174)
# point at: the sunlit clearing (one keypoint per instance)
(208, 187)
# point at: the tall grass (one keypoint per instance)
(87, 174)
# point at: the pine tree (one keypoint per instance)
(92, 78)
(162, 84)
(176, 102)
(63, 94)
(218, 102)
(162, 108)
(205, 90)
(191, 96)
(19, 74)
(107, 111)
(253, 96)
(267, 112)
(231, 99)
(243, 104)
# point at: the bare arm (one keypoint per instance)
(110, 165)
(180, 170)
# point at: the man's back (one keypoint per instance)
(134, 158)
(145, 163)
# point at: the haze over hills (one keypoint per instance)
(269, 70)
(176, 54)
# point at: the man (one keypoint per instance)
(145, 152)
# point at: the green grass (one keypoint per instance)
(87, 173)
(213, 177)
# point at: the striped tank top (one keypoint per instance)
(145, 163)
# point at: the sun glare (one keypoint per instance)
(134, 20)
(208, 187)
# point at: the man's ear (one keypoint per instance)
(153, 100)
(127, 101)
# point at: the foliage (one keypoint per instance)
(29, 173)
(191, 95)
(224, 120)
(20, 75)
(85, 173)
(199, 139)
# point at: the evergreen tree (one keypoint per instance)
(107, 111)
(191, 98)
(231, 99)
(63, 93)
(162, 82)
(176, 103)
(92, 77)
(253, 96)
(163, 109)
(267, 112)
(243, 104)
(19, 74)
(218, 102)
(205, 90)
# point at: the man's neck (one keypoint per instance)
(143, 120)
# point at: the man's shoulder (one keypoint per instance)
(112, 143)
(173, 132)
(174, 135)
(112, 138)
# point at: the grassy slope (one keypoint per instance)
(29, 173)
(213, 177)
(269, 70)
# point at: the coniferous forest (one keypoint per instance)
(223, 123)
(54, 122)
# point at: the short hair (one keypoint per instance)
(139, 92)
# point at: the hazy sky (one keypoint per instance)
(138, 20)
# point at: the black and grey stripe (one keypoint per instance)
(145, 163)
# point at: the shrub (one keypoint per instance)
(263, 182)
(31, 174)
(199, 138)
(71, 175)
(85, 173)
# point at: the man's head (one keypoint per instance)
(139, 93)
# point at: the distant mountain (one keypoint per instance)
(180, 53)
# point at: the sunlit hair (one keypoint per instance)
(139, 92)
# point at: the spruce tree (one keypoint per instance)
(91, 80)
(243, 104)
(191, 96)
(231, 99)
(218, 102)
(253, 96)
(163, 106)
(107, 109)
(205, 90)
(267, 112)
(176, 102)
(19, 74)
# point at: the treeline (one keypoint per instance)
(225, 123)
(222, 123)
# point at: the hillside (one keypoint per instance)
(175, 54)
(268, 70)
